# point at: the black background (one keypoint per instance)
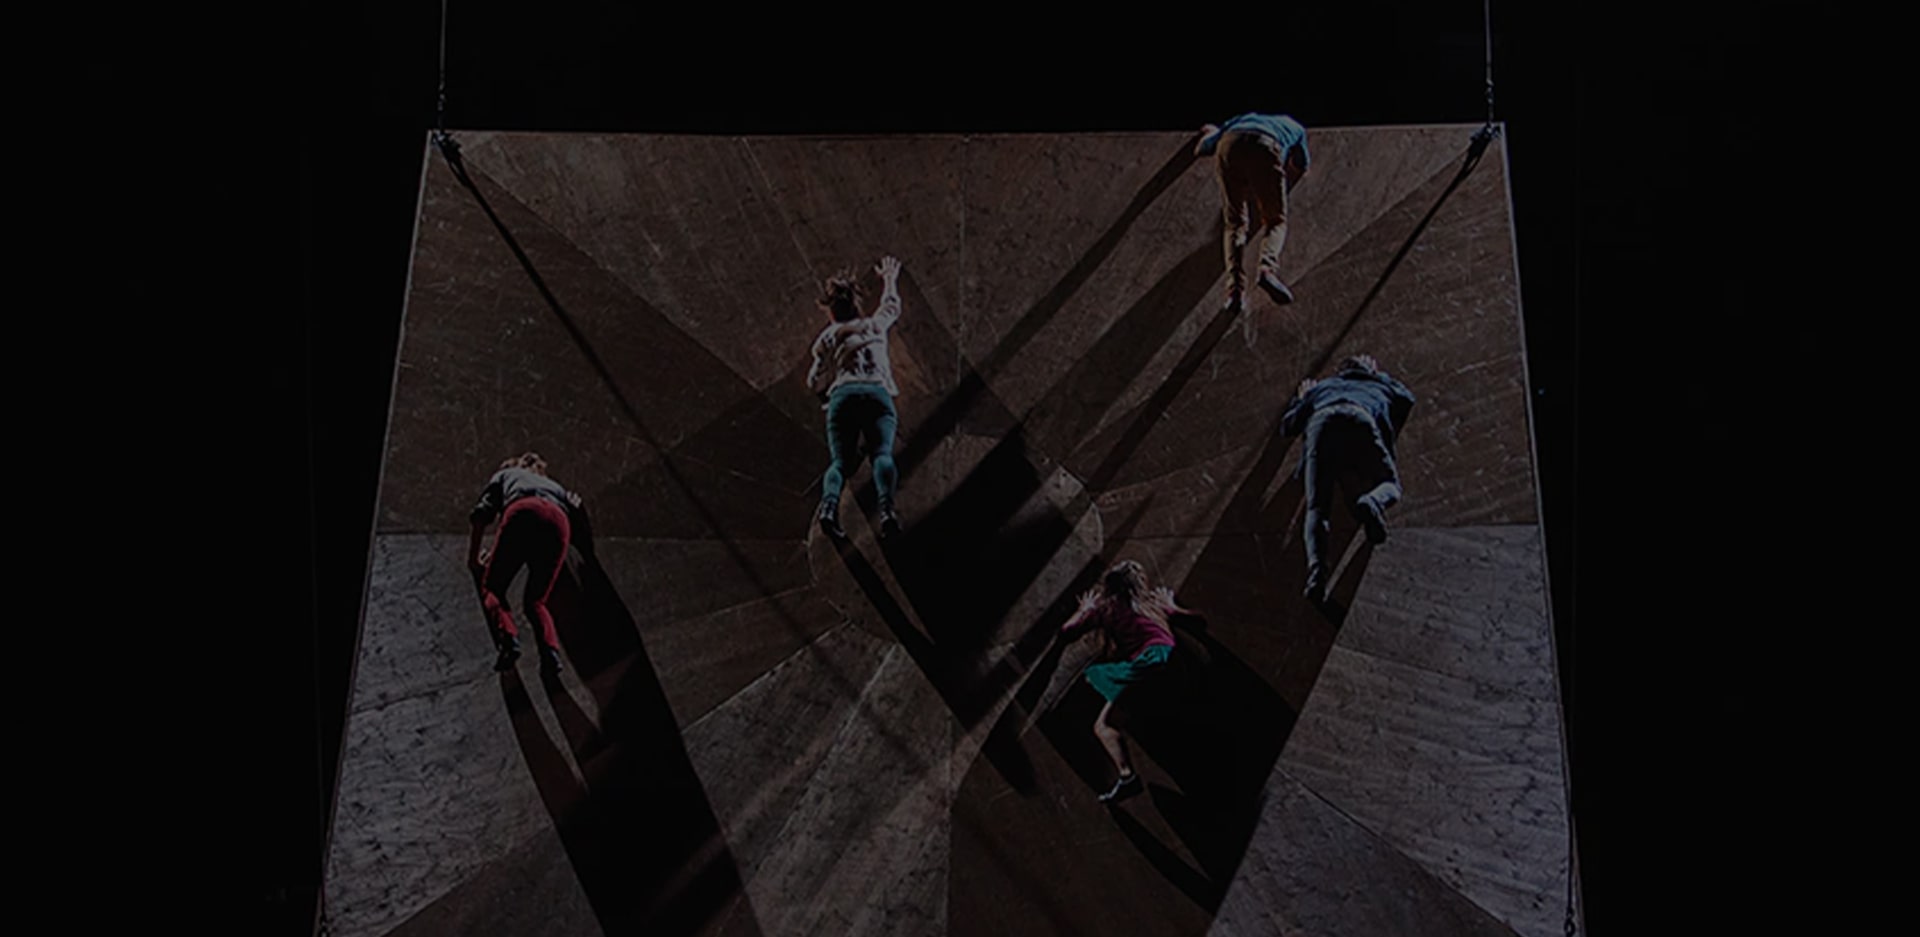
(298, 137)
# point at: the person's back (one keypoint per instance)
(852, 349)
(1380, 395)
(1282, 129)
(511, 484)
(856, 351)
(1131, 629)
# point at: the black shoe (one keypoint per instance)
(1127, 786)
(1316, 591)
(889, 522)
(508, 654)
(830, 520)
(1372, 519)
(1276, 290)
(550, 662)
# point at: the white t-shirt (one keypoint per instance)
(856, 351)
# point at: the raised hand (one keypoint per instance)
(1307, 385)
(573, 499)
(1366, 361)
(889, 268)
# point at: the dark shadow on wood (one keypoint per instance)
(636, 824)
(953, 661)
(1475, 150)
(973, 384)
(1163, 396)
(1072, 407)
(674, 478)
(1205, 892)
(1216, 723)
(991, 525)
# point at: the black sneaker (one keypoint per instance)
(1127, 786)
(1276, 290)
(1372, 519)
(550, 662)
(889, 523)
(1316, 591)
(508, 654)
(830, 520)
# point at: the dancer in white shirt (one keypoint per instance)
(851, 370)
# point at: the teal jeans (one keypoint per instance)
(856, 412)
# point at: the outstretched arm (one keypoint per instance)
(889, 310)
(1164, 596)
(1401, 399)
(817, 375)
(1082, 617)
(1292, 421)
(1209, 138)
(492, 500)
(1398, 390)
(476, 556)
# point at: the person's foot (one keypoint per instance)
(889, 521)
(550, 662)
(1236, 299)
(1373, 519)
(830, 520)
(1128, 785)
(1275, 289)
(1316, 591)
(508, 654)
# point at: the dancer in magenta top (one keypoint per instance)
(1133, 619)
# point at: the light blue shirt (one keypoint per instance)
(1283, 129)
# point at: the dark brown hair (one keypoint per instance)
(840, 296)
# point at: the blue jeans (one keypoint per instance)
(855, 411)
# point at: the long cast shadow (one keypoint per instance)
(1217, 724)
(969, 689)
(974, 383)
(993, 525)
(675, 478)
(636, 824)
(1476, 149)
(682, 895)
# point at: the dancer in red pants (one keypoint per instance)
(535, 531)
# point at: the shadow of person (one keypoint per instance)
(635, 820)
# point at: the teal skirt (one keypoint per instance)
(1112, 679)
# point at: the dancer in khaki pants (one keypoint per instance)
(1260, 157)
